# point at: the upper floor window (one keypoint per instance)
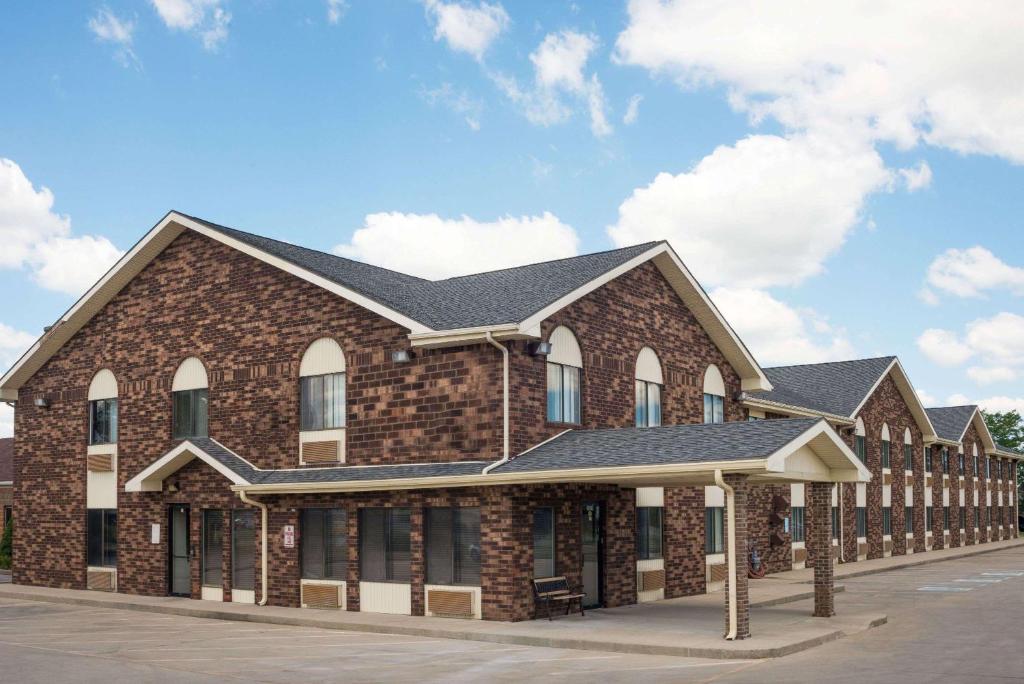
(927, 460)
(322, 387)
(714, 395)
(190, 395)
(103, 408)
(886, 456)
(564, 365)
(649, 381)
(945, 460)
(963, 463)
(977, 462)
(908, 451)
(860, 441)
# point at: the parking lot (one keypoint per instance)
(956, 621)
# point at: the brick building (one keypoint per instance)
(227, 417)
(6, 480)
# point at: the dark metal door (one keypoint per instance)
(592, 538)
(180, 554)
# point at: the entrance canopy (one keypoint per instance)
(766, 451)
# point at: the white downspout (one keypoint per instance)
(730, 535)
(263, 537)
(505, 363)
(842, 531)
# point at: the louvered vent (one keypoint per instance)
(320, 452)
(100, 463)
(323, 596)
(100, 580)
(444, 603)
(652, 580)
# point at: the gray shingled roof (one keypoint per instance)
(682, 444)
(950, 421)
(7, 459)
(510, 295)
(235, 463)
(837, 387)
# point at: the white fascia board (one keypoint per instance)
(151, 479)
(779, 407)
(449, 338)
(707, 314)
(8, 394)
(777, 461)
(906, 388)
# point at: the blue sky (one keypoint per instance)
(839, 193)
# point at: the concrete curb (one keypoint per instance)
(923, 561)
(717, 653)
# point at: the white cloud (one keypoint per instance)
(970, 272)
(13, 343)
(899, 72)
(926, 398)
(72, 265)
(994, 404)
(999, 339)
(632, 110)
(986, 375)
(943, 347)
(559, 66)
(917, 178)
(778, 334)
(766, 211)
(958, 400)
(204, 18)
(461, 103)
(336, 10)
(37, 238)
(466, 27)
(434, 247)
(109, 28)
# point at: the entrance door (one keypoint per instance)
(180, 555)
(592, 537)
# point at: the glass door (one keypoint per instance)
(180, 555)
(592, 539)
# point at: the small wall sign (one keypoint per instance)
(154, 534)
(289, 536)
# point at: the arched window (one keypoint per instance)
(564, 364)
(103, 408)
(322, 386)
(886, 451)
(860, 441)
(190, 395)
(963, 461)
(908, 451)
(714, 395)
(649, 381)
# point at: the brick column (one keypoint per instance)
(740, 487)
(819, 543)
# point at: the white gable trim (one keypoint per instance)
(695, 298)
(131, 264)
(910, 396)
(843, 465)
(152, 478)
(988, 443)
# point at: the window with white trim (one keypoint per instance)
(322, 387)
(323, 534)
(886, 456)
(102, 537)
(564, 370)
(714, 395)
(453, 546)
(384, 546)
(648, 384)
(103, 408)
(649, 532)
(190, 400)
(714, 529)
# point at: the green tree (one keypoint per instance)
(1007, 430)
(5, 546)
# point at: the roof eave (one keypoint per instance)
(760, 403)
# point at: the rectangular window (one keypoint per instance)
(797, 528)
(8, 515)
(977, 517)
(563, 394)
(103, 421)
(649, 529)
(988, 516)
(835, 522)
(988, 468)
(213, 548)
(887, 520)
(648, 404)
(243, 549)
(945, 518)
(324, 543)
(945, 460)
(714, 532)
(543, 543)
(190, 414)
(322, 402)
(384, 551)
(453, 546)
(928, 519)
(886, 459)
(714, 408)
(977, 467)
(102, 533)
(908, 520)
(861, 448)
(862, 521)
(963, 518)
(908, 458)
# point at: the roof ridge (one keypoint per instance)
(552, 261)
(833, 363)
(958, 406)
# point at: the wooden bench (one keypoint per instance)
(550, 589)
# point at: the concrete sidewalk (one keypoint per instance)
(780, 620)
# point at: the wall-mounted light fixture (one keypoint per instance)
(172, 487)
(401, 356)
(540, 348)
(42, 402)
